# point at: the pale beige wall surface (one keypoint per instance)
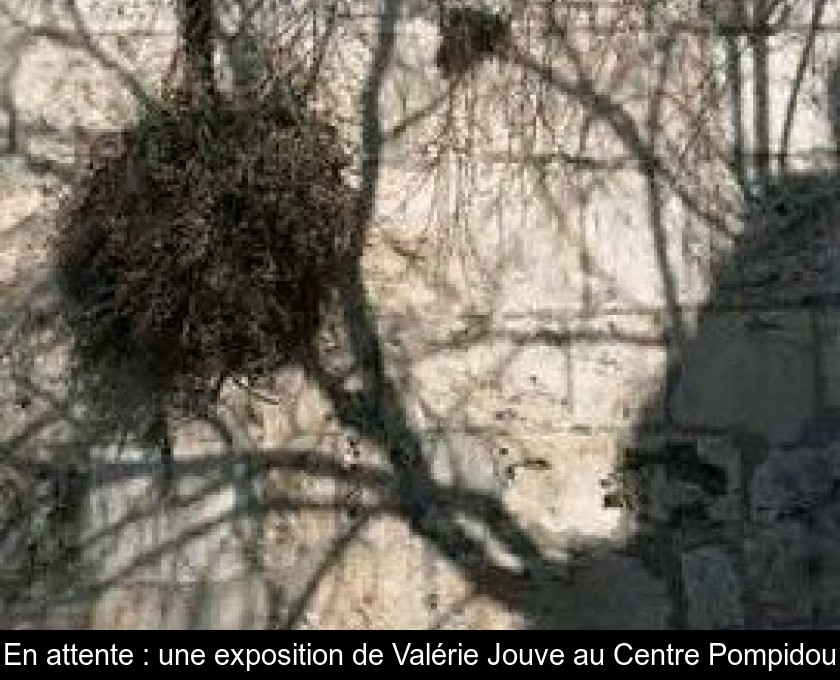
(616, 373)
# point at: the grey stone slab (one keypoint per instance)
(753, 372)
(713, 589)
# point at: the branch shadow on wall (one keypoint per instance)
(741, 468)
(59, 473)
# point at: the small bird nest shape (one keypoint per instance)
(468, 36)
(202, 243)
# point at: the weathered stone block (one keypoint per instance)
(712, 589)
(618, 365)
(747, 371)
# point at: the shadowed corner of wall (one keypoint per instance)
(735, 494)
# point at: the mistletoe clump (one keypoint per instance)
(203, 242)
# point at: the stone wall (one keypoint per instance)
(601, 277)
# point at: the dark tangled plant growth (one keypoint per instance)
(469, 35)
(202, 243)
